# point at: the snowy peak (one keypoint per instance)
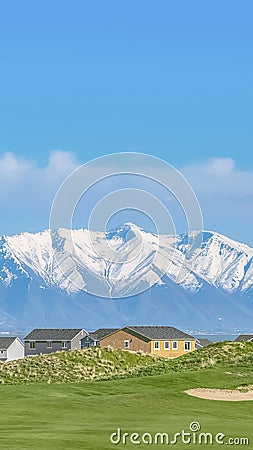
(221, 261)
(125, 232)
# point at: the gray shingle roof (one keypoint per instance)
(159, 332)
(101, 332)
(244, 337)
(55, 334)
(202, 342)
(5, 342)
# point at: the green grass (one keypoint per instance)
(83, 415)
(47, 404)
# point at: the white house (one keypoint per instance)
(11, 348)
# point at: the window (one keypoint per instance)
(187, 346)
(49, 344)
(126, 344)
(174, 345)
(87, 344)
(32, 345)
(2, 351)
(166, 345)
(64, 344)
(157, 345)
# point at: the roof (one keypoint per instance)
(244, 337)
(149, 333)
(201, 342)
(101, 333)
(5, 342)
(54, 334)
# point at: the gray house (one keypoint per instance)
(244, 338)
(52, 340)
(11, 348)
(93, 339)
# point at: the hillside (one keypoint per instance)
(222, 354)
(104, 364)
(77, 365)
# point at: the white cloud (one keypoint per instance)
(27, 190)
(225, 192)
(12, 166)
(219, 177)
(220, 166)
(60, 163)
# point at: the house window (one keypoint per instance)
(2, 351)
(32, 345)
(126, 344)
(87, 344)
(49, 344)
(157, 345)
(64, 344)
(174, 345)
(187, 346)
(166, 345)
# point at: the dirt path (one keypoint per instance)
(221, 394)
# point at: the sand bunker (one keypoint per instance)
(221, 394)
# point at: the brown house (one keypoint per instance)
(159, 341)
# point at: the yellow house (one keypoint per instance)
(155, 340)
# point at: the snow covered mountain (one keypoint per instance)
(49, 278)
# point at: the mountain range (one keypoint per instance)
(81, 278)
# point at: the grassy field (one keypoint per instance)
(83, 415)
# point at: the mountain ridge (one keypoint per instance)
(57, 272)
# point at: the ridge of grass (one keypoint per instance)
(75, 365)
(96, 364)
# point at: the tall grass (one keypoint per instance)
(105, 364)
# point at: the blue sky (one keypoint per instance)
(173, 79)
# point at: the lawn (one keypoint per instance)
(83, 415)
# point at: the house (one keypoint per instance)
(155, 340)
(11, 348)
(93, 339)
(52, 340)
(244, 338)
(202, 342)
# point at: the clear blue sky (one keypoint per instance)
(170, 78)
